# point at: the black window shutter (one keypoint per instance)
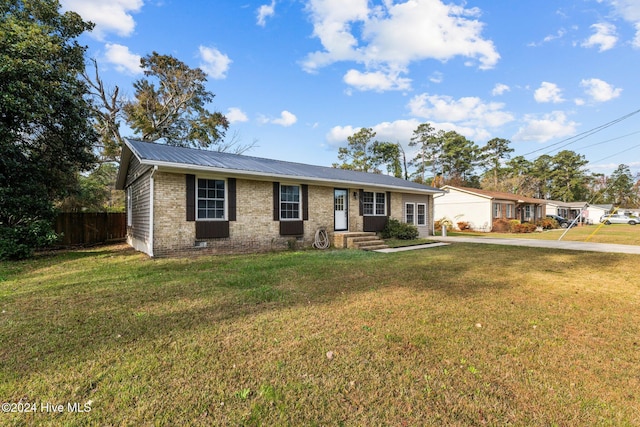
(388, 203)
(191, 197)
(361, 202)
(276, 201)
(231, 192)
(305, 202)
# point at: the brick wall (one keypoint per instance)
(254, 229)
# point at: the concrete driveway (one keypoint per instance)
(553, 244)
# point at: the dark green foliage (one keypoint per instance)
(95, 192)
(399, 230)
(18, 242)
(45, 134)
(170, 105)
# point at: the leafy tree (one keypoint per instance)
(459, 158)
(45, 134)
(429, 148)
(518, 177)
(596, 185)
(388, 153)
(620, 188)
(492, 154)
(359, 153)
(170, 105)
(568, 178)
(95, 192)
(541, 172)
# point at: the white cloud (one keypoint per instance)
(548, 92)
(265, 11)
(551, 37)
(235, 114)
(286, 119)
(110, 16)
(546, 127)
(628, 9)
(392, 35)
(397, 131)
(466, 111)
(401, 131)
(436, 77)
(122, 58)
(599, 90)
(500, 89)
(215, 63)
(604, 37)
(378, 81)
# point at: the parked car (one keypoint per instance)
(562, 222)
(619, 219)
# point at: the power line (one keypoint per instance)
(583, 135)
(615, 154)
(612, 139)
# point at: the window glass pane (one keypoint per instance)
(289, 202)
(367, 203)
(409, 213)
(380, 203)
(422, 214)
(211, 199)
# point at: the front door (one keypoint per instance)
(341, 209)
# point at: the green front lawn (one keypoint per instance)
(452, 335)
(623, 234)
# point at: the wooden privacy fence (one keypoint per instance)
(90, 228)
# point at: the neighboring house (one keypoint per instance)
(183, 200)
(480, 208)
(570, 210)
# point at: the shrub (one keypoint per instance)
(18, 242)
(399, 230)
(500, 225)
(443, 221)
(526, 227)
(464, 225)
(514, 226)
(548, 223)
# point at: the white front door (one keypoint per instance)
(341, 209)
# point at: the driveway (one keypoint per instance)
(553, 244)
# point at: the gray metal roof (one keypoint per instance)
(205, 160)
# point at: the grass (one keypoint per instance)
(453, 335)
(623, 234)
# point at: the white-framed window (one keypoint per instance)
(129, 206)
(497, 210)
(210, 199)
(510, 211)
(527, 212)
(290, 202)
(409, 213)
(374, 203)
(422, 214)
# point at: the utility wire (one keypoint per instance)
(583, 135)
(615, 154)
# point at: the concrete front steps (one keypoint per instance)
(367, 241)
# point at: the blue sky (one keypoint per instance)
(299, 76)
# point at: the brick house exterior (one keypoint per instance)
(188, 201)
